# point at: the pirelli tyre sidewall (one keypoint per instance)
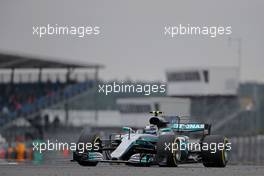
(87, 137)
(219, 158)
(165, 157)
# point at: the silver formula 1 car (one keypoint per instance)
(167, 141)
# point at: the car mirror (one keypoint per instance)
(128, 129)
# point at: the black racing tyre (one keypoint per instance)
(218, 157)
(87, 137)
(166, 157)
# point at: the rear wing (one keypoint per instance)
(182, 124)
(190, 127)
(179, 124)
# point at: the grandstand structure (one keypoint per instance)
(31, 84)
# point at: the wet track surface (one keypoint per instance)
(68, 168)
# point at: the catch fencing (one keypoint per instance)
(247, 150)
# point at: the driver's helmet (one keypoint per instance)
(151, 129)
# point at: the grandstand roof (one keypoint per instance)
(8, 61)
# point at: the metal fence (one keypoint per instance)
(247, 150)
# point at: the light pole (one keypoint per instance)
(96, 95)
(256, 98)
(238, 40)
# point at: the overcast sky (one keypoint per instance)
(131, 43)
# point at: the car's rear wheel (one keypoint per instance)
(216, 156)
(82, 156)
(166, 157)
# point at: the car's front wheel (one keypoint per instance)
(167, 154)
(82, 157)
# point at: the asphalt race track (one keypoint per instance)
(73, 169)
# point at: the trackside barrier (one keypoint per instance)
(248, 150)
